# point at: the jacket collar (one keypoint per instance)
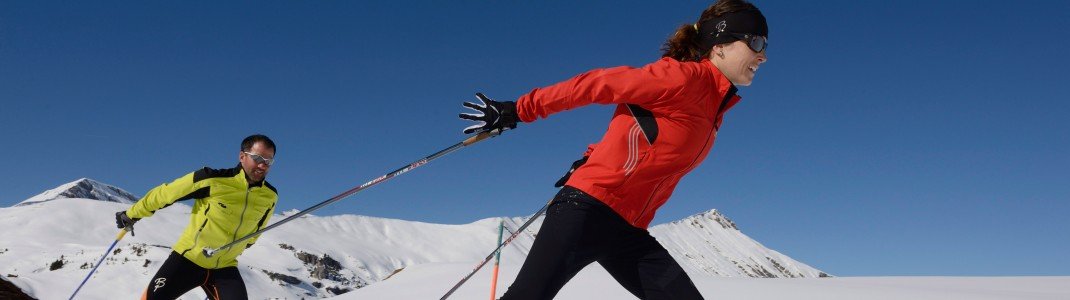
(241, 174)
(724, 86)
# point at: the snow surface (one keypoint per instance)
(364, 257)
(425, 282)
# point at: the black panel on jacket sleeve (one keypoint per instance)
(198, 194)
(207, 173)
(646, 122)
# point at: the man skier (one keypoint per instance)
(228, 203)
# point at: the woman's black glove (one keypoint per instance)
(491, 115)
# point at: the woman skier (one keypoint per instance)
(667, 117)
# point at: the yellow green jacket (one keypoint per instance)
(225, 208)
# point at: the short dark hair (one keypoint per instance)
(249, 141)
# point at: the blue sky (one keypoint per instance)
(881, 138)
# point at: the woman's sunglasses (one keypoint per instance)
(755, 42)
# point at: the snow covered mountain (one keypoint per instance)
(58, 236)
(84, 188)
(710, 244)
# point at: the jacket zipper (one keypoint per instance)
(657, 187)
(716, 127)
(241, 220)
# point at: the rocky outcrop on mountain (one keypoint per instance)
(328, 275)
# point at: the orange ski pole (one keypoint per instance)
(497, 259)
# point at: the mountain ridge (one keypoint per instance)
(321, 256)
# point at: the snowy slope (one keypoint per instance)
(77, 231)
(425, 282)
(313, 256)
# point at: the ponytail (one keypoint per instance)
(684, 44)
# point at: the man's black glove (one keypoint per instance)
(491, 115)
(124, 221)
(575, 165)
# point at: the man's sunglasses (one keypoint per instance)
(755, 42)
(260, 159)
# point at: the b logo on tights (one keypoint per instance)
(160, 282)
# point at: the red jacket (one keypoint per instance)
(667, 117)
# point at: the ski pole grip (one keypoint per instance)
(482, 136)
(208, 252)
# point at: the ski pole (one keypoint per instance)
(492, 254)
(117, 238)
(469, 141)
(497, 261)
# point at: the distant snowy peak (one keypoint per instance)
(84, 188)
(709, 243)
(709, 217)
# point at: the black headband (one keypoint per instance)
(742, 22)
